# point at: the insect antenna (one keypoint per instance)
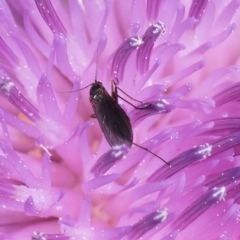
(77, 89)
(146, 149)
(96, 73)
(97, 62)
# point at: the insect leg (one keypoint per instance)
(114, 91)
(140, 108)
(115, 96)
(115, 85)
(129, 95)
(151, 153)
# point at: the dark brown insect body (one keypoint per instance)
(114, 122)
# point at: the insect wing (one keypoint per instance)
(113, 121)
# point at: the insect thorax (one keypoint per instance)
(96, 91)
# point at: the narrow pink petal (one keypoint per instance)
(21, 125)
(99, 182)
(84, 214)
(182, 74)
(47, 98)
(179, 17)
(122, 54)
(30, 57)
(228, 13)
(182, 28)
(206, 23)
(77, 20)
(223, 35)
(197, 9)
(61, 51)
(145, 49)
(6, 137)
(72, 103)
(26, 175)
(46, 177)
(50, 16)
(38, 42)
(202, 49)
(152, 9)
(7, 54)
(203, 203)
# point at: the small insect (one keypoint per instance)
(113, 120)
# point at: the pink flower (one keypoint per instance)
(60, 179)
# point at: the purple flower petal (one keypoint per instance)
(148, 222)
(37, 40)
(17, 163)
(199, 206)
(234, 193)
(107, 160)
(50, 17)
(46, 96)
(145, 49)
(228, 95)
(77, 16)
(153, 8)
(182, 28)
(61, 51)
(7, 55)
(122, 54)
(228, 12)
(30, 60)
(10, 91)
(197, 9)
(149, 109)
(218, 39)
(41, 236)
(224, 178)
(82, 228)
(99, 182)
